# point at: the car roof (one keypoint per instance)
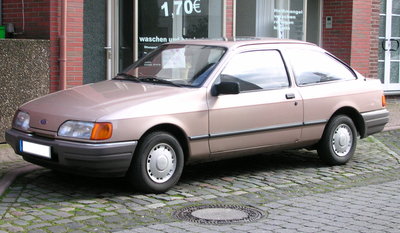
(231, 42)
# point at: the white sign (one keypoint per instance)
(283, 19)
(173, 58)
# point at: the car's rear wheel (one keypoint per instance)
(339, 141)
(157, 163)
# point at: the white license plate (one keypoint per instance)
(35, 149)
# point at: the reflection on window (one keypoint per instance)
(187, 65)
(271, 18)
(259, 70)
(312, 67)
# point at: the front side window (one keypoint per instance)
(311, 67)
(256, 70)
(185, 65)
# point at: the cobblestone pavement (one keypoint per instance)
(296, 191)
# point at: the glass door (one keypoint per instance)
(125, 34)
(120, 30)
(389, 43)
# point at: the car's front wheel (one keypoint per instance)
(157, 163)
(339, 141)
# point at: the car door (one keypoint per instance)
(266, 112)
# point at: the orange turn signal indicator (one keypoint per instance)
(101, 131)
(383, 101)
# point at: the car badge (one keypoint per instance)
(43, 122)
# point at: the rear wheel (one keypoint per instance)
(339, 141)
(157, 164)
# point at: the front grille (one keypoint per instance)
(43, 133)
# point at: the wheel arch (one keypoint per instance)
(177, 132)
(355, 117)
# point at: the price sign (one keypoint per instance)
(189, 6)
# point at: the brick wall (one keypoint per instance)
(337, 39)
(374, 43)
(36, 17)
(354, 36)
(229, 18)
(55, 25)
(74, 43)
(365, 37)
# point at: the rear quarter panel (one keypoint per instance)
(321, 101)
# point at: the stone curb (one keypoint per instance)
(10, 176)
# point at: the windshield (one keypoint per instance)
(180, 65)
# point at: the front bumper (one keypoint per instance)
(374, 121)
(90, 159)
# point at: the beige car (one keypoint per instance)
(202, 100)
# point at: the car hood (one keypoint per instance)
(108, 101)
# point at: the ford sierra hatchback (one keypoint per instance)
(201, 100)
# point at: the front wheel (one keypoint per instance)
(339, 141)
(157, 164)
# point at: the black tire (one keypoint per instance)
(339, 141)
(157, 163)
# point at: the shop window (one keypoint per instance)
(162, 21)
(290, 19)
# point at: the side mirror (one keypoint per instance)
(226, 88)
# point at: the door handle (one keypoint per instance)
(389, 43)
(384, 45)
(397, 47)
(290, 96)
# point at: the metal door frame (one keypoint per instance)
(390, 44)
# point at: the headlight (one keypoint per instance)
(21, 120)
(85, 130)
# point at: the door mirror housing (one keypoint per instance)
(226, 88)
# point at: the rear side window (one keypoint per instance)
(311, 67)
(257, 70)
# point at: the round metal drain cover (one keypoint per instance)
(218, 214)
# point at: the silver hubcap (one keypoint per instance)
(161, 163)
(342, 140)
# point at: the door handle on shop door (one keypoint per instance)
(388, 43)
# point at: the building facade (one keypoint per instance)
(92, 40)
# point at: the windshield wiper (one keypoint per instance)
(127, 77)
(159, 80)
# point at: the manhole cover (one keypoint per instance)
(218, 214)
